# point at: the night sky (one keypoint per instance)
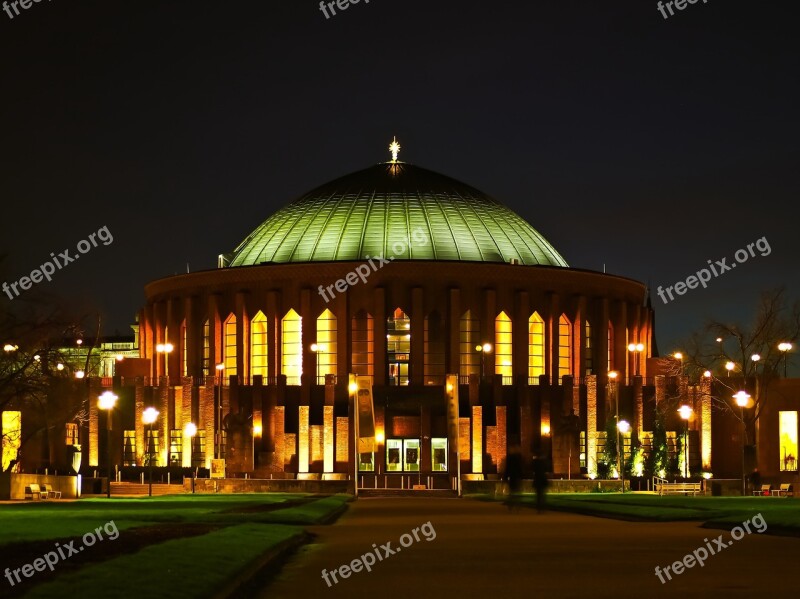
(645, 144)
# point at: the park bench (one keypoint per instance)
(51, 493)
(765, 490)
(785, 491)
(34, 492)
(666, 488)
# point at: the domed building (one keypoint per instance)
(396, 322)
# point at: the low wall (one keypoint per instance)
(256, 485)
(497, 487)
(12, 486)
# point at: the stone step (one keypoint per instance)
(406, 493)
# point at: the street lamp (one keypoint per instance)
(353, 389)
(220, 367)
(679, 356)
(483, 349)
(755, 358)
(107, 401)
(785, 347)
(729, 366)
(165, 348)
(623, 428)
(742, 398)
(8, 348)
(149, 416)
(636, 349)
(707, 374)
(189, 431)
(686, 413)
(79, 374)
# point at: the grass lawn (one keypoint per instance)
(171, 546)
(779, 513)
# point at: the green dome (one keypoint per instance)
(392, 209)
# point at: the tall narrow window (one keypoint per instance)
(206, 348)
(610, 347)
(398, 347)
(503, 347)
(184, 351)
(292, 358)
(129, 448)
(326, 345)
(788, 441)
(469, 339)
(564, 347)
(230, 347)
(588, 347)
(434, 349)
(258, 346)
(363, 343)
(535, 348)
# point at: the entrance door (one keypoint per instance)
(402, 455)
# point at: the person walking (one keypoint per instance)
(513, 475)
(540, 483)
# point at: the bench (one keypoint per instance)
(51, 493)
(34, 492)
(785, 491)
(765, 490)
(665, 488)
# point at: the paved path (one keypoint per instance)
(481, 550)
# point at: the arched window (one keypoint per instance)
(363, 344)
(398, 347)
(229, 358)
(292, 355)
(535, 348)
(434, 349)
(326, 345)
(588, 347)
(259, 360)
(206, 348)
(469, 339)
(503, 347)
(564, 347)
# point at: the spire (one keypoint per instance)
(394, 148)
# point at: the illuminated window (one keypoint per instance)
(366, 462)
(788, 441)
(152, 439)
(326, 342)
(199, 448)
(469, 338)
(71, 430)
(184, 351)
(439, 454)
(610, 365)
(434, 349)
(503, 347)
(588, 347)
(258, 346)
(398, 347)
(564, 347)
(129, 448)
(292, 357)
(535, 348)
(230, 347)
(363, 344)
(206, 348)
(175, 447)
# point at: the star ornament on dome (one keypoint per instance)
(394, 148)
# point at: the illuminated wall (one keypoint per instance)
(535, 347)
(12, 432)
(292, 358)
(259, 358)
(503, 346)
(564, 347)
(230, 346)
(788, 440)
(477, 440)
(303, 439)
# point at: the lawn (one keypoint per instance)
(176, 546)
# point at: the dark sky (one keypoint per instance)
(645, 144)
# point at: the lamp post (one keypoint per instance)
(318, 348)
(166, 349)
(729, 366)
(483, 349)
(623, 427)
(149, 416)
(107, 401)
(755, 358)
(686, 413)
(742, 398)
(679, 356)
(218, 454)
(785, 347)
(353, 389)
(636, 349)
(190, 430)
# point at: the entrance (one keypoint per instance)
(402, 455)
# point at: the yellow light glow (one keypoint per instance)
(107, 401)
(220, 367)
(678, 355)
(257, 430)
(624, 427)
(79, 374)
(449, 387)
(394, 148)
(190, 430)
(613, 375)
(149, 416)
(353, 387)
(729, 366)
(380, 437)
(9, 348)
(120, 357)
(545, 429)
(79, 342)
(742, 398)
(59, 366)
(707, 374)
(487, 347)
(631, 347)
(685, 412)
(12, 434)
